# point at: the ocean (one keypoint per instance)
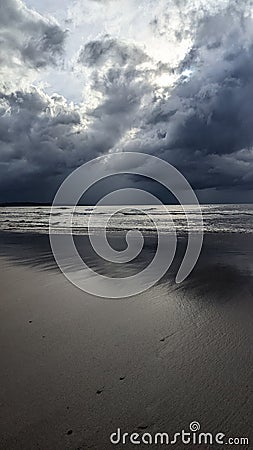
(216, 218)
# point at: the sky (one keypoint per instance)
(85, 78)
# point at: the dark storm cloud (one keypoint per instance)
(41, 136)
(216, 100)
(122, 82)
(203, 125)
(27, 37)
(117, 75)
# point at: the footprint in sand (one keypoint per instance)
(99, 391)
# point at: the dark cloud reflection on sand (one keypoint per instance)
(224, 268)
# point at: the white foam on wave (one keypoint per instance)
(217, 218)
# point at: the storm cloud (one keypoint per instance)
(27, 38)
(196, 112)
(204, 125)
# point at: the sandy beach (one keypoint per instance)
(75, 368)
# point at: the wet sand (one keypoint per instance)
(74, 368)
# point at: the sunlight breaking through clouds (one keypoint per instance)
(170, 78)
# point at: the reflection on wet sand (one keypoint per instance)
(75, 367)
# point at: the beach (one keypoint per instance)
(75, 368)
(126, 225)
